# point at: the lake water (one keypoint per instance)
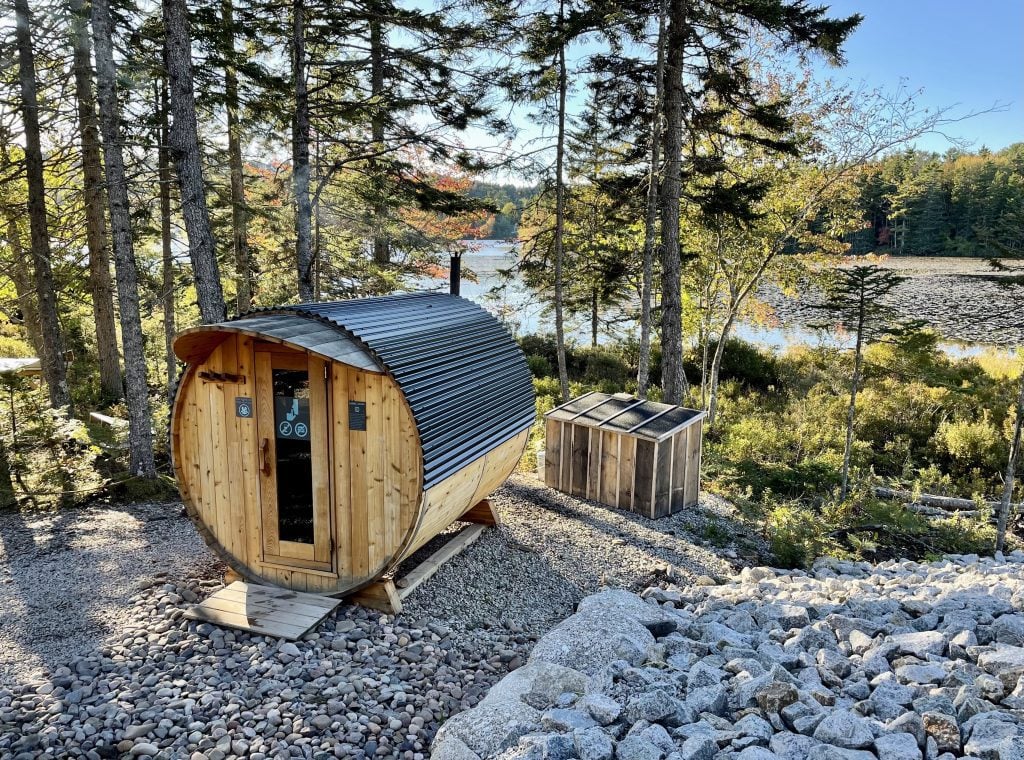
(511, 301)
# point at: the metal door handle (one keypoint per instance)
(264, 459)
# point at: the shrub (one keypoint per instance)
(539, 365)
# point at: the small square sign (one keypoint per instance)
(357, 415)
(243, 406)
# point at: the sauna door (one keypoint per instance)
(291, 420)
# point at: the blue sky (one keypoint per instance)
(966, 52)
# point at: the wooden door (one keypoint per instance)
(292, 428)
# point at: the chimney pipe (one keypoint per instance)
(455, 274)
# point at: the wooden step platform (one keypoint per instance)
(266, 610)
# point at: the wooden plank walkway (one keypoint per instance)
(265, 610)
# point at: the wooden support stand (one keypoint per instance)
(387, 594)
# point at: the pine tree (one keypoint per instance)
(51, 334)
(857, 301)
(187, 157)
(140, 423)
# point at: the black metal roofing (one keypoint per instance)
(465, 378)
(626, 414)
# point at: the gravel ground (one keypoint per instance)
(65, 577)
(98, 660)
(963, 299)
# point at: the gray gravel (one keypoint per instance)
(554, 549)
(99, 661)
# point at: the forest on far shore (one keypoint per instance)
(913, 203)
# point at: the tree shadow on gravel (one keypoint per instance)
(65, 574)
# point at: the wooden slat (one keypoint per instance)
(392, 463)
(643, 477)
(693, 450)
(359, 560)
(266, 439)
(432, 564)
(341, 474)
(609, 493)
(248, 443)
(552, 453)
(627, 464)
(594, 463)
(320, 461)
(375, 448)
(662, 477)
(678, 444)
(580, 459)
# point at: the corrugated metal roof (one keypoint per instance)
(194, 344)
(623, 413)
(465, 378)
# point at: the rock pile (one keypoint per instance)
(899, 661)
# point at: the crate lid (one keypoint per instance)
(626, 415)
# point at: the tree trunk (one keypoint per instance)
(52, 337)
(381, 247)
(673, 381)
(1009, 478)
(716, 369)
(851, 412)
(140, 431)
(300, 156)
(95, 219)
(184, 144)
(594, 303)
(563, 86)
(239, 210)
(651, 214)
(22, 277)
(8, 498)
(163, 160)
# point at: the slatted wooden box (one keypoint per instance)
(625, 452)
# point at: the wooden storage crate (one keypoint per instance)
(625, 452)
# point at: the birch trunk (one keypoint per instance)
(300, 157)
(563, 85)
(851, 412)
(239, 210)
(673, 381)
(51, 334)
(184, 144)
(100, 286)
(140, 432)
(651, 214)
(1009, 478)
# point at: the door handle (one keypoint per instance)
(264, 459)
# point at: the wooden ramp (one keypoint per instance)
(265, 610)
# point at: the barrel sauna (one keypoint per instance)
(317, 446)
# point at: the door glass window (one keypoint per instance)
(294, 456)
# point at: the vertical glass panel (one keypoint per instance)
(294, 458)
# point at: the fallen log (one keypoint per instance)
(948, 503)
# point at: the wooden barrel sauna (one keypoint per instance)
(317, 446)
